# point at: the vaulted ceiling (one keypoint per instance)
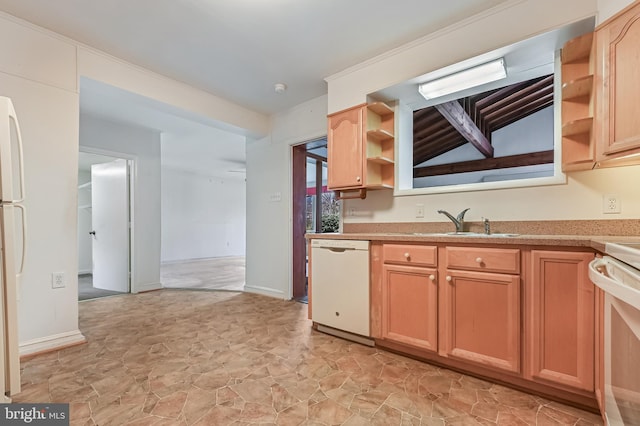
(434, 134)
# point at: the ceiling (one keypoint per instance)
(239, 49)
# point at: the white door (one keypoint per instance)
(110, 220)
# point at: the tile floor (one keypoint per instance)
(181, 357)
(218, 273)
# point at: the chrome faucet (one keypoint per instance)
(458, 222)
(487, 226)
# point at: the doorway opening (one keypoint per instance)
(104, 224)
(315, 208)
(203, 210)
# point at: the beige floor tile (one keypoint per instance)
(181, 357)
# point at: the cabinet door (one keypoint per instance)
(410, 306)
(618, 44)
(345, 145)
(480, 318)
(560, 326)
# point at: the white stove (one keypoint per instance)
(618, 274)
(629, 253)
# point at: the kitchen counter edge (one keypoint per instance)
(596, 242)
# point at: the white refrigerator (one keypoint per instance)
(12, 245)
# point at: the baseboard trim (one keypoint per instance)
(142, 288)
(266, 291)
(201, 259)
(346, 335)
(51, 343)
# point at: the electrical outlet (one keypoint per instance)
(275, 197)
(57, 280)
(419, 210)
(611, 204)
(351, 211)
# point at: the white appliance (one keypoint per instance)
(12, 239)
(619, 276)
(340, 286)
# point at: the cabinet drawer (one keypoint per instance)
(408, 254)
(483, 259)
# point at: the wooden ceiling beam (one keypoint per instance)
(443, 129)
(521, 113)
(460, 120)
(529, 159)
(523, 104)
(425, 155)
(444, 144)
(434, 127)
(525, 92)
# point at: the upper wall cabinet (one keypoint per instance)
(618, 97)
(578, 147)
(345, 158)
(361, 148)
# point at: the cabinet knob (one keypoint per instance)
(407, 256)
(357, 178)
(449, 278)
(432, 277)
(479, 259)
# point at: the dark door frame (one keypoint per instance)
(299, 224)
(300, 155)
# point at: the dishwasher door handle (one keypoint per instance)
(338, 249)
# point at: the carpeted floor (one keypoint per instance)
(218, 273)
(87, 291)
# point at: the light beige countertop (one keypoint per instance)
(592, 234)
(596, 242)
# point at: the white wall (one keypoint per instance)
(85, 263)
(144, 144)
(579, 198)
(38, 72)
(213, 110)
(508, 22)
(203, 194)
(608, 8)
(269, 173)
(202, 215)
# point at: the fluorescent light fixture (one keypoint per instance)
(465, 79)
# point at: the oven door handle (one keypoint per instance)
(613, 286)
(598, 275)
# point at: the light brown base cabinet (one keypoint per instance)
(519, 315)
(409, 308)
(480, 307)
(561, 319)
(409, 296)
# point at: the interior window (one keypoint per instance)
(496, 135)
(515, 136)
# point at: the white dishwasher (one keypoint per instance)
(340, 285)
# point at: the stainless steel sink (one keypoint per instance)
(465, 234)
